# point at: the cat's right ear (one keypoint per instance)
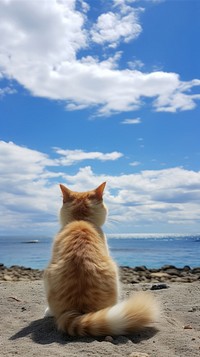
(99, 191)
(65, 193)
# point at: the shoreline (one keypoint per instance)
(128, 275)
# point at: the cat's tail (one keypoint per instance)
(123, 318)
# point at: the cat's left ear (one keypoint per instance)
(66, 193)
(99, 191)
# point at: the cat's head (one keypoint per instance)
(87, 206)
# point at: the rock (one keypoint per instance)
(7, 277)
(160, 275)
(109, 339)
(196, 270)
(186, 268)
(192, 309)
(159, 286)
(167, 266)
(141, 268)
(187, 327)
(173, 271)
(135, 281)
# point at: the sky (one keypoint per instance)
(94, 91)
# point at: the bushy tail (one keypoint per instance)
(133, 314)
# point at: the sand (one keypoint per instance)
(24, 331)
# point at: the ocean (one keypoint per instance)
(151, 250)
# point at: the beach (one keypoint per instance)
(24, 331)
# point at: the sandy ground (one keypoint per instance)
(24, 331)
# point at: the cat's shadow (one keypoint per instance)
(44, 332)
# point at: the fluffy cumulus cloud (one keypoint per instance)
(112, 27)
(29, 180)
(40, 49)
(26, 199)
(30, 198)
(70, 157)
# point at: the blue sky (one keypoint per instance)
(100, 90)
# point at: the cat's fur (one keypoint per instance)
(81, 279)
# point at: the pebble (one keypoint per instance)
(109, 339)
(160, 275)
(187, 327)
(192, 309)
(7, 277)
(159, 286)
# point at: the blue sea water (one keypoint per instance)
(152, 250)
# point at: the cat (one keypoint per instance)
(81, 280)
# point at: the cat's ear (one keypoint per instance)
(99, 191)
(66, 193)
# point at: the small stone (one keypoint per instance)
(165, 267)
(196, 270)
(134, 281)
(160, 275)
(186, 268)
(141, 268)
(187, 327)
(173, 271)
(192, 309)
(7, 277)
(159, 286)
(109, 339)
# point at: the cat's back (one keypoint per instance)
(79, 230)
(80, 242)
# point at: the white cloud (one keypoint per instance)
(131, 121)
(31, 162)
(135, 163)
(7, 90)
(70, 157)
(29, 189)
(40, 44)
(28, 197)
(154, 200)
(51, 29)
(112, 27)
(85, 5)
(136, 64)
(150, 199)
(124, 5)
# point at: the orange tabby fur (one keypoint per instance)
(81, 279)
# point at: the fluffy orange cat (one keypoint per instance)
(81, 280)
